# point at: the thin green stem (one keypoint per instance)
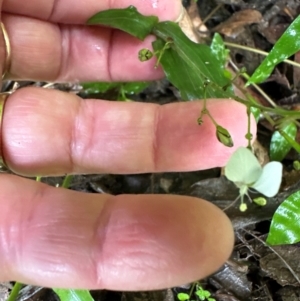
(282, 122)
(38, 179)
(262, 92)
(276, 110)
(286, 120)
(166, 46)
(204, 110)
(15, 291)
(122, 95)
(270, 120)
(249, 135)
(233, 45)
(290, 140)
(192, 289)
(67, 181)
(211, 118)
(257, 88)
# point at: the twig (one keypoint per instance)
(275, 252)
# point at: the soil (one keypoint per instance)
(254, 271)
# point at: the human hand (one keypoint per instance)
(61, 238)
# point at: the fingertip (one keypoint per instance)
(128, 242)
(220, 240)
(213, 240)
(200, 148)
(163, 242)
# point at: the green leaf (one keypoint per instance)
(73, 295)
(134, 87)
(201, 297)
(128, 20)
(201, 294)
(98, 87)
(279, 146)
(183, 296)
(189, 65)
(285, 225)
(287, 45)
(256, 113)
(218, 49)
(125, 88)
(291, 141)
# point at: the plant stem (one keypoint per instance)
(15, 291)
(246, 76)
(192, 289)
(67, 181)
(248, 103)
(275, 252)
(258, 51)
(270, 120)
(249, 135)
(276, 111)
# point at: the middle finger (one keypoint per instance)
(49, 52)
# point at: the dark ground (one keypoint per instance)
(254, 272)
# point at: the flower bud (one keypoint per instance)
(145, 55)
(260, 201)
(223, 136)
(243, 207)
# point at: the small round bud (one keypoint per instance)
(200, 121)
(296, 165)
(260, 201)
(243, 207)
(145, 55)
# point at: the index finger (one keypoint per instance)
(47, 132)
(77, 12)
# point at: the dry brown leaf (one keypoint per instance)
(273, 32)
(235, 24)
(187, 27)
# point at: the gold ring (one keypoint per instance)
(7, 49)
(3, 98)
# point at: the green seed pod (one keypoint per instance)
(260, 201)
(223, 136)
(200, 121)
(145, 55)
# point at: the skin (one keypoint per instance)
(60, 238)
